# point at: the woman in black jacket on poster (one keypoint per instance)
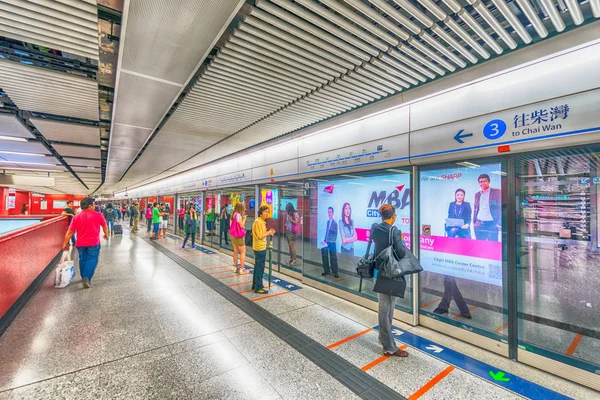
(387, 304)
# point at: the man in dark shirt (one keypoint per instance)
(329, 250)
(70, 213)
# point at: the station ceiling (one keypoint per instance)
(199, 80)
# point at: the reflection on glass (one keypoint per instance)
(289, 228)
(460, 245)
(342, 211)
(559, 256)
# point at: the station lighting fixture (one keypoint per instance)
(31, 169)
(352, 176)
(21, 153)
(468, 164)
(595, 4)
(12, 139)
(552, 12)
(25, 163)
(532, 16)
(513, 20)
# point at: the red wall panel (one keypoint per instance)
(25, 254)
(35, 203)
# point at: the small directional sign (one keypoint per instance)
(499, 376)
(461, 135)
(289, 286)
(434, 348)
(397, 332)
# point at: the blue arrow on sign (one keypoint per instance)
(460, 136)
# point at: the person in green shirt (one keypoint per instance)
(211, 215)
(155, 221)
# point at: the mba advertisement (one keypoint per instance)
(353, 206)
(461, 222)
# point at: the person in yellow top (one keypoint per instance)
(259, 245)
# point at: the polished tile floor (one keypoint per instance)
(148, 329)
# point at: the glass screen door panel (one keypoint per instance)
(558, 258)
(461, 245)
(289, 237)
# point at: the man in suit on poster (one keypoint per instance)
(487, 211)
(329, 250)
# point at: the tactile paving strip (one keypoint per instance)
(350, 376)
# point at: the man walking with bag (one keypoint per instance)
(87, 224)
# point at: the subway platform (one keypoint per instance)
(162, 322)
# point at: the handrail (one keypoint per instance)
(20, 232)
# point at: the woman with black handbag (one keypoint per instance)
(387, 301)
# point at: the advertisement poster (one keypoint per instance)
(359, 200)
(461, 222)
(10, 202)
(269, 198)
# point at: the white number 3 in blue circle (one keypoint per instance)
(494, 129)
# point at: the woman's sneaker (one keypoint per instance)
(261, 291)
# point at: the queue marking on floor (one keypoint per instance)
(270, 295)
(239, 284)
(485, 371)
(574, 344)
(246, 291)
(380, 359)
(227, 276)
(470, 310)
(343, 279)
(429, 385)
(349, 338)
(217, 267)
(502, 328)
(431, 303)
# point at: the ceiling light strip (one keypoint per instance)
(532, 16)
(513, 20)
(493, 23)
(325, 25)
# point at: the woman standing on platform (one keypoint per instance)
(149, 216)
(190, 226)
(387, 302)
(292, 221)
(238, 235)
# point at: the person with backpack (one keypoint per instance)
(110, 216)
(189, 226)
(238, 238)
(380, 235)
(292, 227)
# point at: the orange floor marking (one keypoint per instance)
(246, 291)
(239, 284)
(431, 303)
(343, 279)
(431, 383)
(502, 328)
(269, 296)
(227, 276)
(349, 338)
(574, 344)
(220, 266)
(470, 309)
(379, 360)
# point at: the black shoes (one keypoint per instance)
(337, 275)
(323, 274)
(440, 311)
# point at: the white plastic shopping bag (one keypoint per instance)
(65, 272)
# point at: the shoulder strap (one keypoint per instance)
(370, 240)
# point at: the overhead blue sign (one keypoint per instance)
(494, 129)
(485, 371)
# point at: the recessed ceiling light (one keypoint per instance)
(21, 153)
(12, 139)
(24, 163)
(398, 171)
(468, 164)
(352, 176)
(32, 169)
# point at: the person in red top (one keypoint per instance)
(87, 224)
